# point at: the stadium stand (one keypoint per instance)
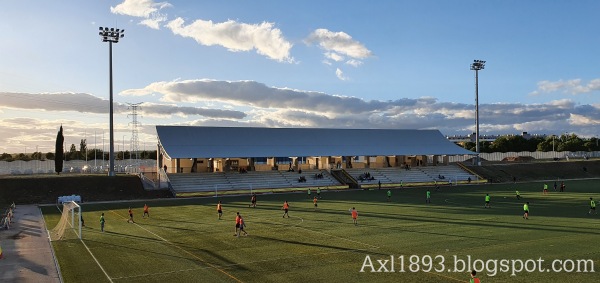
(204, 182)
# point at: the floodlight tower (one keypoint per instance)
(476, 66)
(111, 35)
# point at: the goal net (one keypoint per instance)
(69, 224)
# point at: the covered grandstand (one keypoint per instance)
(197, 159)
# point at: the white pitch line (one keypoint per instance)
(237, 264)
(326, 234)
(89, 251)
(184, 250)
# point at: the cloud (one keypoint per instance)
(264, 38)
(184, 111)
(254, 94)
(146, 9)
(573, 86)
(249, 103)
(87, 103)
(338, 42)
(66, 101)
(354, 62)
(337, 47)
(340, 74)
(334, 56)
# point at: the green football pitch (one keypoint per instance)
(400, 240)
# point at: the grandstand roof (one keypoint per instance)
(230, 142)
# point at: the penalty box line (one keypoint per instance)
(319, 232)
(182, 249)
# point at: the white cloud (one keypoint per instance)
(264, 38)
(354, 62)
(339, 42)
(87, 103)
(334, 56)
(340, 74)
(147, 9)
(249, 103)
(573, 86)
(338, 46)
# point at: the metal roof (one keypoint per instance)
(232, 142)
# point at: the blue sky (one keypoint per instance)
(333, 64)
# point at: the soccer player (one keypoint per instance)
(308, 193)
(428, 199)
(562, 186)
(318, 192)
(555, 185)
(253, 200)
(526, 210)
(102, 222)
(592, 206)
(354, 216)
(285, 208)
(315, 202)
(518, 195)
(242, 225)
(474, 278)
(130, 220)
(389, 195)
(545, 188)
(219, 209)
(237, 224)
(146, 211)
(487, 201)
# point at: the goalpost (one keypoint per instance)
(70, 211)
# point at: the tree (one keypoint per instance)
(59, 156)
(37, 155)
(50, 156)
(6, 157)
(83, 148)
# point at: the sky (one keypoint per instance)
(318, 64)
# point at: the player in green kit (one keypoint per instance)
(526, 210)
(308, 193)
(518, 195)
(428, 199)
(592, 206)
(487, 201)
(389, 195)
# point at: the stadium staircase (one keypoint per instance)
(345, 178)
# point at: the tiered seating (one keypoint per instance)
(450, 172)
(397, 175)
(256, 180)
(197, 182)
(205, 182)
(311, 181)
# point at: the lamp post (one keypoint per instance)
(476, 66)
(111, 35)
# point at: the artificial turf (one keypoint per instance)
(183, 241)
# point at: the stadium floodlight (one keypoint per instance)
(476, 66)
(111, 36)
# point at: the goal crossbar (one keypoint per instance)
(70, 210)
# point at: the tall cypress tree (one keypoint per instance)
(60, 154)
